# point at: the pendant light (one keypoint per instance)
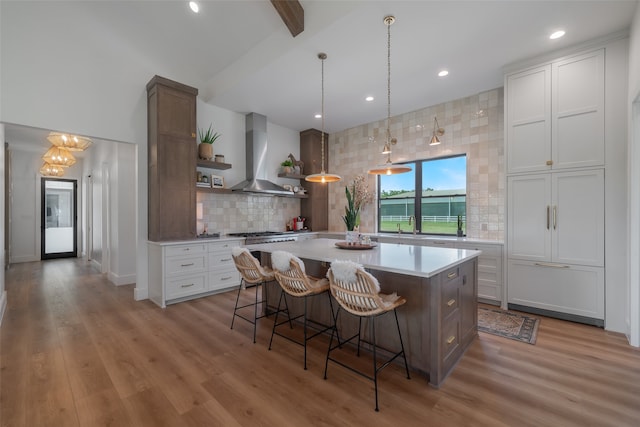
(322, 177)
(59, 157)
(389, 168)
(51, 170)
(70, 142)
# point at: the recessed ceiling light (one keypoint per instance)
(556, 35)
(194, 6)
(318, 116)
(443, 73)
(369, 98)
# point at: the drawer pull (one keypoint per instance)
(225, 259)
(187, 286)
(186, 249)
(548, 264)
(225, 278)
(439, 243)
(186, 265)
(451, 302)
(451, 339)
(452, 275)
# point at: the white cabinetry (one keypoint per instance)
(489, 270)
(555, 115)
(555, 151)
(184, 270)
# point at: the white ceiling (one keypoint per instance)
(241, 56)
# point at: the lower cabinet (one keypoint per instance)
(569, 290)
(490, 276)
(184, 270)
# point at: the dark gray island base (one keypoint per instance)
(439, 320)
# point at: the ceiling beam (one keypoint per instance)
(292, 14)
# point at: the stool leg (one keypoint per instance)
(334, 317)
(275, 322)
(359, 328)
(404, 356)
(375, 361)
(304, 325)
(235, 309)
(255, 314)
(334, 329)
(286, 307)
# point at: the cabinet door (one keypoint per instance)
(578, 217)
(578, 111)
(529, 217)
(528, 120)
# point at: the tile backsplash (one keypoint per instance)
(473, 126)
(228, 213)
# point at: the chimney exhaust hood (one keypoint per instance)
(256, 155)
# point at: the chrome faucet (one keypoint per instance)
(412, 221)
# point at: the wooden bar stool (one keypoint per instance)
(253, 275)
(290, 273)
(358, 292)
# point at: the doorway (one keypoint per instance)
(59, 218)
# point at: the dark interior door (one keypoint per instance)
(59, 218)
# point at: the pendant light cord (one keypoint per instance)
(322, 112)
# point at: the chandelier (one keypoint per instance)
(48, 169)
(70, 142)
(59, 157)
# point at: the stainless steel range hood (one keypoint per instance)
(256, 144)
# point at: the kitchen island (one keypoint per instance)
(440, 318)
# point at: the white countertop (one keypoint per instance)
(424, 261)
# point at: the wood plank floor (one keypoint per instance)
(78, 351)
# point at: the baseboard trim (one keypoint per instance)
(126, 279)
(140, 294)
(3, 305)
(558, 315)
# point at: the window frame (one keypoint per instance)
(417, 200)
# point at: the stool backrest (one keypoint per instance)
(249, 267)
(293, 279)
(360, 295)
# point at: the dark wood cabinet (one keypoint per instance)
(315, 208)
(172, 147)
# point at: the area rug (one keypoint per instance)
(507, 324)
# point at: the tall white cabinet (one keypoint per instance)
(555, 151)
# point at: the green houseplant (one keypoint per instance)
(205, 149)
(286, 166)
(351, 211)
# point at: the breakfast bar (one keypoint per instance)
(439, 320)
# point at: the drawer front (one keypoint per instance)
(218, 260)
(439, 243)
(451, 275)
(450, 298)
(489, 291)
(450, 338)
(186, 264)
(224, 279)
(192, 249)
(224, 247)
(487, 250)
(183, 286)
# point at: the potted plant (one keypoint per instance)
(459, 231)
(205, 149)
(286, 166)
(350, 218)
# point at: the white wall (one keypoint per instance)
(633, 104)
(3, 292)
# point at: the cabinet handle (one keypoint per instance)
(549, 162)
(452, 275)
(193, 134)
(225, 259)
(187, 286)
(548, 216)
(548, 264)
(451, 339)
(186, 265)
(555, 216)
(451, 302)
(225, 278)
(439, 243)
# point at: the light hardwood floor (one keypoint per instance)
(78, 351)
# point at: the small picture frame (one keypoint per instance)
(217, 181)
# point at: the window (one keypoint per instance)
(435, 191)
